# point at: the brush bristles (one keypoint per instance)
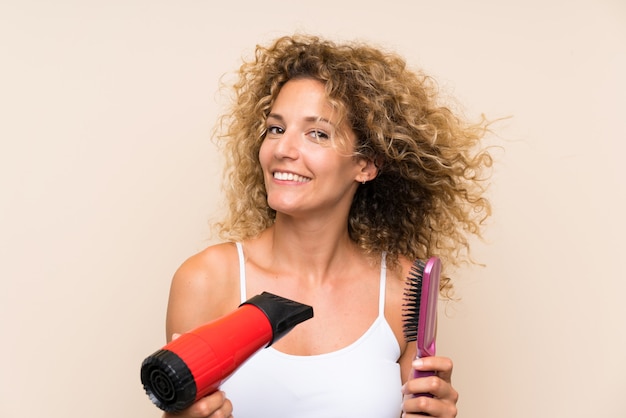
(412, 296)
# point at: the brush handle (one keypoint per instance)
(427, 325)
(427, 351)
(417, 374)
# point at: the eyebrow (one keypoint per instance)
(307, 118)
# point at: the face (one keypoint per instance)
(304, 172)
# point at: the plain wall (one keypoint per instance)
(109, 180)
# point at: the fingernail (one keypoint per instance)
(417, 363)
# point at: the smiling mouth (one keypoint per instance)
(291, 177)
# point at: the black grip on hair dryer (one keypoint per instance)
(197, 363)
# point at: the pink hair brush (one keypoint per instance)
(420, 309)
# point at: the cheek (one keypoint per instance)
(264, 154)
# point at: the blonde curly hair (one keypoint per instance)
(429, 194)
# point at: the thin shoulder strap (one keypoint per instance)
(242, 272)
(383, 280)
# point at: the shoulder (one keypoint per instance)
(204, 287)
(209, 266)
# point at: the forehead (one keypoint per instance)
(307, 98)
(303, 96)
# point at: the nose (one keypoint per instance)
(288, 145)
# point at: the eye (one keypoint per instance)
(317, 135)
(274, 130)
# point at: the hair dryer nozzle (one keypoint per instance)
(283, 314)
(168, 381)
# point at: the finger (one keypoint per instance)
(425, 406)
(430, 406)
(420, 406)
(213, 405)
(432, 385)
(442, 366)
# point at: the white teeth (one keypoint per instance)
(290, 177)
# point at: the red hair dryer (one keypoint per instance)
(197, 363)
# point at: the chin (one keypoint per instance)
(286, 207)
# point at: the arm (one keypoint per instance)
(203, 289)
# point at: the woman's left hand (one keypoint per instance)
(444, 399)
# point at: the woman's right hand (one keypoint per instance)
(215, 405)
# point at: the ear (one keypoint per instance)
(367, 171)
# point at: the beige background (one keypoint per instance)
(108, 181)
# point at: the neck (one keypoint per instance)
(319, 250)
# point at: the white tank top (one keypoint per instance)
(360, 380)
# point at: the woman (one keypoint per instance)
(342, 170)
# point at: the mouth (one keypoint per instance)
(284, 176)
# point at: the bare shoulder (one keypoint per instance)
(209, 267)
(204, 287)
